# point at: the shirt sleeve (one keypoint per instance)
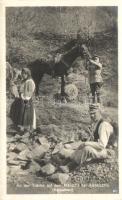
(29, 88)
(105, 130)
(97, 64)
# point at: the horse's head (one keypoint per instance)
(83, 51)
(65, 61)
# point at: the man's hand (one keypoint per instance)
(97, 64)
(81, 146)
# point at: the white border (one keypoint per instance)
(17, 3)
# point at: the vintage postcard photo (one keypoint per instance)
(62, 130)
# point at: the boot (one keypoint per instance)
(93, 99)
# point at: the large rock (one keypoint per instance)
(25, 138)
(20, 163)
(20, 147)
(25, 155)
(46, 147)
(57, 148)
(59, 178)
(58, 159)
(14, 169)
(11, 139)
(38, 152)
(34, 167)
(48, 169)
(71, 91)
(12, 156)
(43, 140)
(13, 162)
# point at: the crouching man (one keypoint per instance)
(104, 136)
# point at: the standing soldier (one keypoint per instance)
(94, 68)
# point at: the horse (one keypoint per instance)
(59, 66)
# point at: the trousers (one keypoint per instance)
(81, 155)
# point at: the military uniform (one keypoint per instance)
(95, 79)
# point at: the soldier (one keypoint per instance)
(94, 68)
(104, 137)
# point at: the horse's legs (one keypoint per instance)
(62, 86)
(37, 88)
(37, 80)
(63, 94)
(92, 87)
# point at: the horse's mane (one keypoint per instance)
(66, 47)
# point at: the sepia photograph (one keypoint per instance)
(62, 100)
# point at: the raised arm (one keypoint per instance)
(97, 64)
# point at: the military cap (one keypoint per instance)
(94, 108)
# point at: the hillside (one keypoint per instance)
(33, 33)
(38, 32)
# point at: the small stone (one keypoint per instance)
(59, 178)
(48, 169)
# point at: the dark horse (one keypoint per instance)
(60, 68)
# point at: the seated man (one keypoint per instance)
(103, 137)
